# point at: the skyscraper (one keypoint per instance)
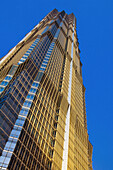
(42, 101)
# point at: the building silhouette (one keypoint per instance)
(42, 100)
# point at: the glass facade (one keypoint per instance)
(42, 100)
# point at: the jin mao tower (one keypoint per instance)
(42, 100)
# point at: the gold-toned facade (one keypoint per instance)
(42, 101)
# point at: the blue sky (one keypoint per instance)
(95, 33)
